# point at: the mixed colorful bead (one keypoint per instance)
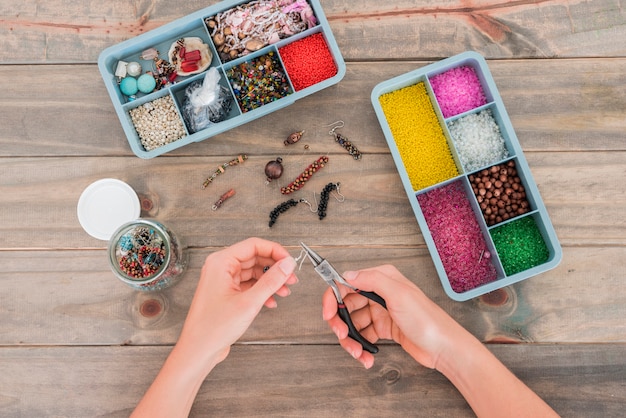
(140, 253)
(259, 81)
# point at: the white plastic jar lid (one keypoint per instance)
(105, 205)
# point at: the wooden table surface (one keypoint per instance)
(73, 339)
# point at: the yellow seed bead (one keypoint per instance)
(418, 135)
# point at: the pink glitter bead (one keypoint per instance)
(457, 236)
(458, 90)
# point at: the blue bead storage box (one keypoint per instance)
(466, 177)
(217, 69)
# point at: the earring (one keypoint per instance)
(324, 196)
(284, 207)
(343, 141)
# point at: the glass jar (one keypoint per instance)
(146, 255)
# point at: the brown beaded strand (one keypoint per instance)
(305, 176)
(240, 159)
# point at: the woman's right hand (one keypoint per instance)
(412, 320)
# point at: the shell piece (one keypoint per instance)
(191, 43)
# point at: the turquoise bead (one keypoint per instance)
(146, 83)
(128, 86)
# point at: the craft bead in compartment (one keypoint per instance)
(478, 140)
(418, 135)
(162, 60)
(205, 100)
(500, 192)
(157, 122)
(458, 90)
(250, 26)
(258, 81)
(457, 236)
(308, 61)
(520, 245)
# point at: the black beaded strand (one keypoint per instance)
(283, 207)
(324, 196)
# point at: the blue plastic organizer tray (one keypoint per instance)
(497, 245)
(194, 25)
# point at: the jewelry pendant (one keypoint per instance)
(294, 137)
(223, 198)
(273, 169)
(343, 141)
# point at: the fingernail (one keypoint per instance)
(350, 275)
(287, 265)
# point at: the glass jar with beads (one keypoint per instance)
(146, 255)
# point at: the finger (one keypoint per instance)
(329, 304)
(272, 280)
(256, 251)
(383, 280)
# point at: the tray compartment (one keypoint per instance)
(479, 139)
(258, 80)
(233, 36)
(460, 239)
(421, 146)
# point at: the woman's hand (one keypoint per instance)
(415, 322)
(232, 290)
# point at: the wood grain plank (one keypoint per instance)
(554, 105)
(261, 381)
(583, 193)
(72, 298)
(76, 31)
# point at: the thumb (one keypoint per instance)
(272, 280)
(371, 280)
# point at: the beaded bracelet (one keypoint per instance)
(305, 176)
(240, 159)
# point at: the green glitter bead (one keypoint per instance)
(128, 86)
(520, 245)
(146, 83)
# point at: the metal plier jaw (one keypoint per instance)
(331, 276)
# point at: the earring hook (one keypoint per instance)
(309, 203)
(340, 124)
(343, 198)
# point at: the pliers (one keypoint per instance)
(331, 276)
